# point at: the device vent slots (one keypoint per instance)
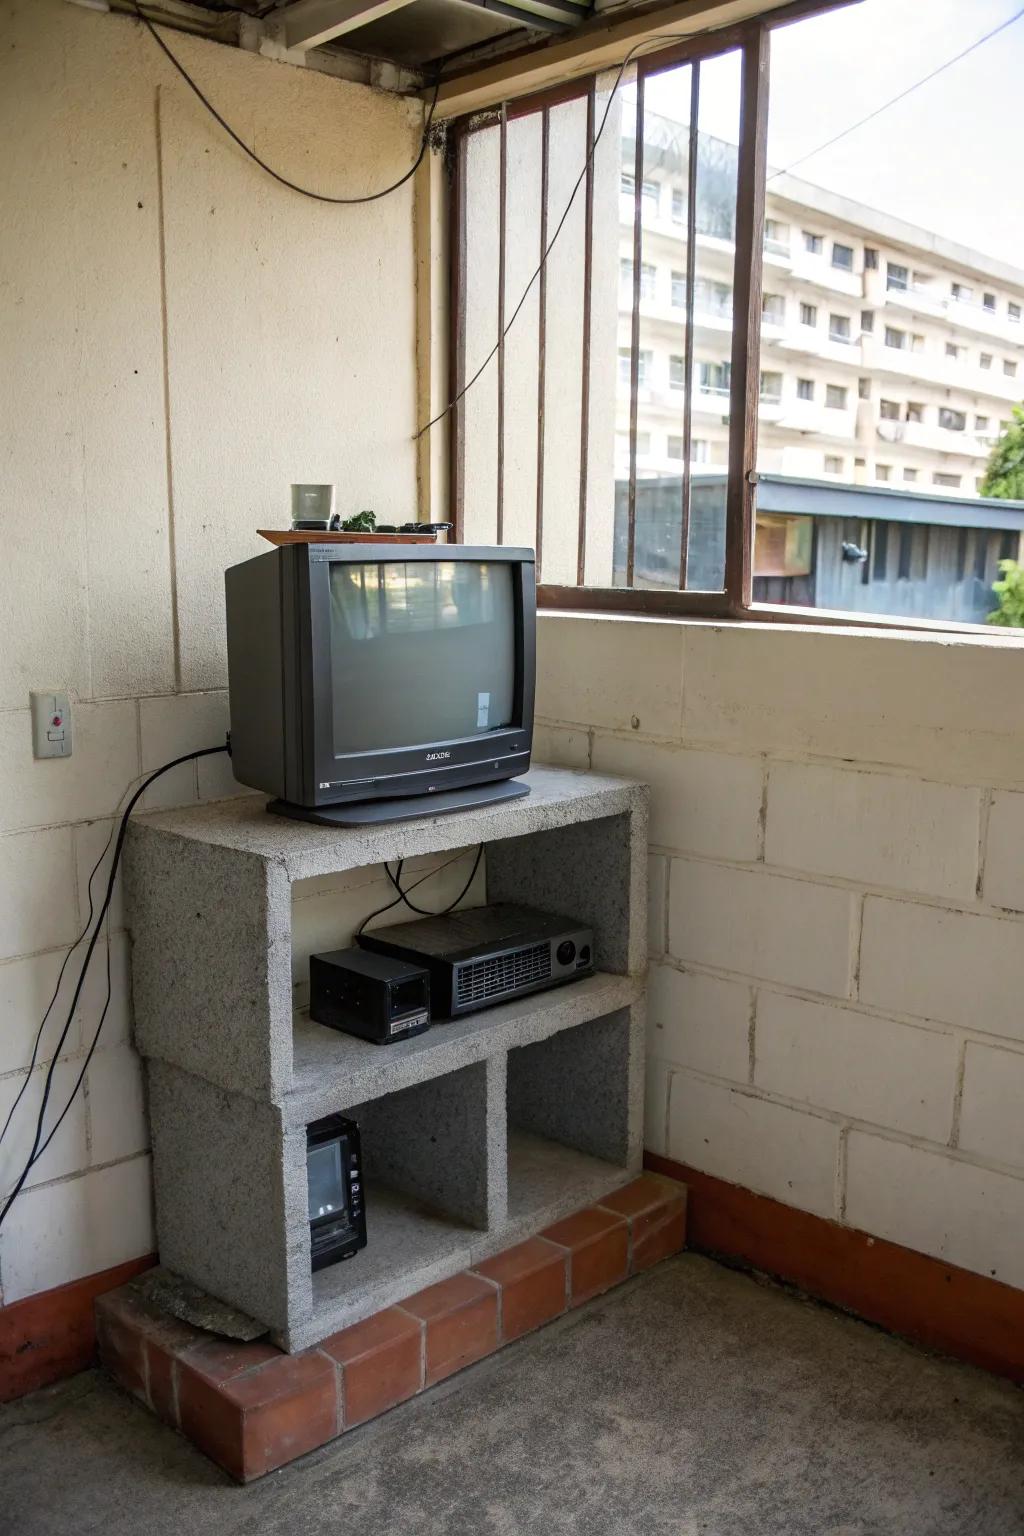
(479, 979)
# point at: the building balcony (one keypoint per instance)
(963, 314)
(934, 439)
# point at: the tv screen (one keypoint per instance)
(421, 652)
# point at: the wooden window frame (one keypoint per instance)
(735, 602)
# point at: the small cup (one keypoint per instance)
(312, 506)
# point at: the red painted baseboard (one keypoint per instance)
(53, 1334)
(953, 1310)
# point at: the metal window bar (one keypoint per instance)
(502, 232)
(588, 261)
(542, 312)
(691, 277)
(634, 346)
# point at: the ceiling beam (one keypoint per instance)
(310, 23)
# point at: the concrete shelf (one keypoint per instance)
(475, 1135)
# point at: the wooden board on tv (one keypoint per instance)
(318, 536)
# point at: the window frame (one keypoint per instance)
(751, 39)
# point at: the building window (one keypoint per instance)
(883, 471)
(678, 205)
(915, 412)
(953, 421)
(908, 473)
(805, 389)
(835, 396)
(643, 442)
(895, 338)
(838, 327)
(952, 350)
(916, 343)
(643, 366)
(677, 371)
(896, 277)
(842, 256)
(771, 387)
(808, 314)
(773, 308)
(988, 301)
(867, 321)
(675, 447)
(678, 290)
(981, 423)
(648, 277)
(863, 389)
(833, 464)
(700, 451)
(649, 191)
(1009, 368)
(776, 235)
(1013, 311)
(714, 377)
(712, 298)
(985, 360)
(962, 292)
(889, 410)
(813, 243)
(952, 482)
(870, 259)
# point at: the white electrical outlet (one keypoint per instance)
(51, 723)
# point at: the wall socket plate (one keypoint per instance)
(51, 723)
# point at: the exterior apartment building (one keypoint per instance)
(889, 355)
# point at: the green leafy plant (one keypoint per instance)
(1004, 477)
(362, 522)
(1010, 593)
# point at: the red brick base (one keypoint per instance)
(252, 1408)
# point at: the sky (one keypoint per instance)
(947, 158)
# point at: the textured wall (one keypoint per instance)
(182, 339)
(837, 910)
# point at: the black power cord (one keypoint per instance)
(320, 197)
(38, 1145)
(403, 895)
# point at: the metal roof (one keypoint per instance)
(824, 498)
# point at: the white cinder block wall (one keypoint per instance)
(181, 340)
(836, 910)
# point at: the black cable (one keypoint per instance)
(396, 881)
(320, 197)
(35, 1153)
(402, 897)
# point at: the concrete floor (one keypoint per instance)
(692, 1400)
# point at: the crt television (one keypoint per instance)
(373, 683)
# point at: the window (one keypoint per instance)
(916, 343)
(863, 389)
(712, 298)
(897, 278)
(649, 192)
(773, 308)
(643, 443)
(714, 377)
(915, 412)
(952, 350)
(909, 473)
(1009, 368)
(771, 387)
(950, 481)
(981, 423)
(675, 447)
(889, 410)
(678, 290)
(833, 464)
(962, 292)
(700, 451)
(953, 421)
(883, 471)
(805, 389)
(812, 243)
(677, 371)
(808, 314)
(988, 301)
(895, 338)
(867, 321)
(643, 366)
(838, 327)
(835, 396)
(1013, 311)
(648, 278)
(870, 259)
(985, 360)
(678, 205)
(842, 256)
(776, 235)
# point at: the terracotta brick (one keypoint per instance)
(161, 1367)
(221, 1360)
(211, 1420)
(598, 1244)
(288, 1407)
(381, 1363)
(534, 1288)
(119, 1341)
(461, 1317)
(656, 1211)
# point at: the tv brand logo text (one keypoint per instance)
(437, 757)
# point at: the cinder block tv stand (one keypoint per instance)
(475, 1135)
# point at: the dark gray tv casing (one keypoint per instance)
(281, 693)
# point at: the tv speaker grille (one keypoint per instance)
(479, 980)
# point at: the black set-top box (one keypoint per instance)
(488, 955)
(377, 997)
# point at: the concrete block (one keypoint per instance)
(90, 783)
(991, 1122)
(706, 803)
(870, 1069)
(754, 1142)
(76, 1227)
(937, 1204)
(38, 910)
(1003, 883)
(26, 987)
(559, 744)
(117, 1112)
(656, 1106)
(67, 1152)
(873, 828)
(657, 906)
(573, 1088)
(172, 726)
(954, 967)
(762, 925)
(91, 839)
(699, 1021)
(608, 672)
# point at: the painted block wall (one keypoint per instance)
(836, 909)
(182, 339)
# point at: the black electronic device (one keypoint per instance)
(337, 1211)
(370, 686)
(487, 955)
(376, 997)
